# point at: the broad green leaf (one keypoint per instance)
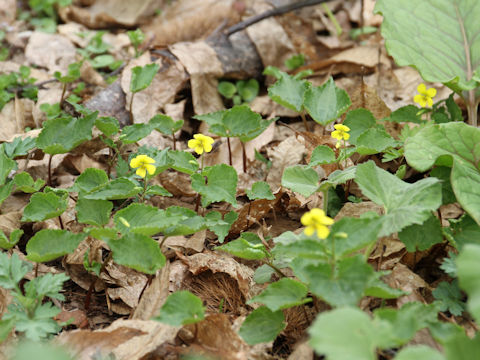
(344, 287)
(373, 141)
(47, 244)
(165, 124)
(181, 308)
(338, 177)
(262, 325)
(6, 243)
(90, 179)
(28, 349)
(468, 268)
(301, 179)
(157, 190)
(419, 237)
(188, 221)
(133, 133)
(450, 297)
(465, 231)
(289, 92)
(221, 184)
(260, 190)
(356, 234)
(240, 121)
(460, 142)
(327, 102)
(43, 206)
(407, 113)
(282, 294)
(6, 165)
(416, 352)
(322, 155)
(63, 134)
(114, 190)
(214, 118)
(93, 212)
(220, 227)
(142, 77)
(446, 45)
(102, 61)
(5, 191)
(344, 334)
(359, 121)
(377, 288)
(443, 173)
(24, 182)
(183, 161)
(248, 246)
(107, 125)
(227, 89)
(138, 252)
(19, 146)
(248, 89)
(405, 204)
(6, 327)
(263, 274)
(461, 347)
(295, 61)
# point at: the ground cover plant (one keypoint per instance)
(214, 227)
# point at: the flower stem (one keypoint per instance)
(230, 162)
(304, 119)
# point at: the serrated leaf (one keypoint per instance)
(359, 121)
(407, 113)
(114, 190)
(301, 179)
(405, 204)
(157, 190)
(220, 227)
(465, 231)
(444, 47)
(93, 212)
(6, 165)
(327, 102)
(221, 184)
(460, 142)
(12, 270)
(108, 125)
(138, 252)
(263, 274)
(373, 141)
(181, 308)
(338, 177)
(443, 173)
(24, 182)
(260, 190)
(60, 135)
(289, 92)
(322, 155)
(19, 146)
(133, 133)
(248, 246)
(450, 297)
(165, 124)
(5, 191)
(282, 294)
(6, 243)
(47, 244)
(262, 325)
(43, 206)
(90, 179)
(183, 161)
(468, 268)
(419, 237)
(142, 77)
(47, 285)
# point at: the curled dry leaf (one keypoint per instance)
(288, 153)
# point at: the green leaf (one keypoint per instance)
(260, 190)
(289, 92)
(345, 287)
(450, 297)
(422, 237)
(407, 113)
(221, 184)
(344, 334)
(181, 308)
(183, 161)
(107, 125)
(295, 61)
(262, 325)
(373, 141)
(12, 270)
(468, 268)
(6, 165)
(165, 124)
(282, 294)
(301, 179)
(133, 133)
(240, 121)
(73, 73)
(6, 243)
(444, 47)
(90, 179)
(47, 244)
(359, 121)
(443, 173)
(102, 61)
(416, 352)
(461, 347)
(322, 155)
(142, 77)
(41, 324)
(327, 102)
(24, 182)
(263, 274)
(19, 146)
(248, 90)
(93, 212)
(220, 227)
(247, 246)
(63, 134)
(338, 177)
(5, 191)
(227, 89)
(47, 285)
(138, 252)
(460, 142)
(28, 349)
(465, 231)
(157, 190)
(405, 204)
(114, 190)
(43, 206)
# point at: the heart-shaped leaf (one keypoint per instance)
(48, 244)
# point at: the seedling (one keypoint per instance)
(141, 79)
(137, 37)
(241, 92)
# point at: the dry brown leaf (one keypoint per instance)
(192, 244)
(154, 295)
(124, 339)
(9, 126)
(405, 279)
(50, 95)
(10, 222)
(288, 153)
(8, 11)
(73, 263)
(357, 209)
(302, 351)
(450, 211)
(77, 318)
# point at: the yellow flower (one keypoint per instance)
(201, 143)
(425, 96)
(316, 220)
(340, 133)
(144, 165)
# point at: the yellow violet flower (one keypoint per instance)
(340, 133)
(143, 164)
(316, 220)
(201, 143)
(425, 95)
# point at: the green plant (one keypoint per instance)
(137, 37)
(17, 83)
(141, 79)
(44, 16)
(243, 91)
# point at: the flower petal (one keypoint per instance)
(141, 172)
(336, 134)
(431, 92)
(429, 101)
(199, 150)
(192, 143)
(150, 168)
(422, 89)
(322, 232)
(309, 230)
(420, 100)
